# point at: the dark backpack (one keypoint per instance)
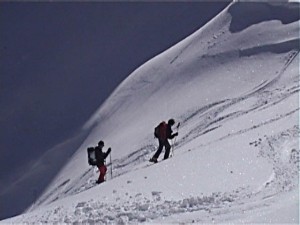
(160, 130)
(92, 156)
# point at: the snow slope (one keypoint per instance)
(234, 87)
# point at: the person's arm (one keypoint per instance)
(170, 135)
(174, 135)
(107, 153)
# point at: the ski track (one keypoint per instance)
(209, 115)
(138, 208)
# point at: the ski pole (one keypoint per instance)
(177, 127)
(111, 165)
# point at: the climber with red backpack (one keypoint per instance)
(100, 161)
(163, 132)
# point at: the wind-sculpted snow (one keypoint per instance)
(282, 150)
(275, 48)
(138, 209)
(245, 14)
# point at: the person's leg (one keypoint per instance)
(99, 168)
(160, 147)
(167, 149)
(102, 170)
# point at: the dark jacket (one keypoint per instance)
(101, 156)
(169, 132)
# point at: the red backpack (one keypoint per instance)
(161, 131)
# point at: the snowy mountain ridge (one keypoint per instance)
(233, 85)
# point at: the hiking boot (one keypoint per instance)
(154, 160)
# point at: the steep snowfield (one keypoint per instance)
(233, 85)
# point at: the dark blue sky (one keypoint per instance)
(60, 61)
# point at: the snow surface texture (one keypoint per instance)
(234, 87)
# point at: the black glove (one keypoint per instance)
(176, 134)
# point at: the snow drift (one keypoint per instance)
(234, 87)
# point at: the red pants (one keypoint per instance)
(102, 170)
